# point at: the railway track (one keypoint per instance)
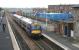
(40, 44)
(21, 42)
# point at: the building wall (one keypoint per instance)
(76, 23)
(27, 11)
(40, 9)
(59, 8)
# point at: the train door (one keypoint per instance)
(67, 29)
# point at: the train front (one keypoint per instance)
(36, 30)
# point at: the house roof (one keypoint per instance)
(56, 16)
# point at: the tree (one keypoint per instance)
(1, 9)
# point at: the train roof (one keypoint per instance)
(29, 21)
(26, 20)
(18, 16)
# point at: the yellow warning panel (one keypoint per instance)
(36, 31)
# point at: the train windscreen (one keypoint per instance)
(36, 27)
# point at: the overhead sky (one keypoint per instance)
(34, 3)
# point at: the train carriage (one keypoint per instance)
(33, 28)
(17, 18)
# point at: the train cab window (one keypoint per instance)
(36, 27)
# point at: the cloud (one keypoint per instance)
(34, 3)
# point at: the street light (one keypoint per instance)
(46, 19)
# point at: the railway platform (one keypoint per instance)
(67, 43)
(5, 40)
(63, 42)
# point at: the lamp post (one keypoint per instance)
(46, 19)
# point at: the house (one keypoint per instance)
(76, 19)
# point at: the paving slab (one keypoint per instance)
(5, 39)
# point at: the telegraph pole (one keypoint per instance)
(46, 19)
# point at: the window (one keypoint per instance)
(36, 27)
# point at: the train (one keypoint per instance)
(32, 28)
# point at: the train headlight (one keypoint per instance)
(36, 31)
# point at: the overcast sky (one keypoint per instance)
(34, 3)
